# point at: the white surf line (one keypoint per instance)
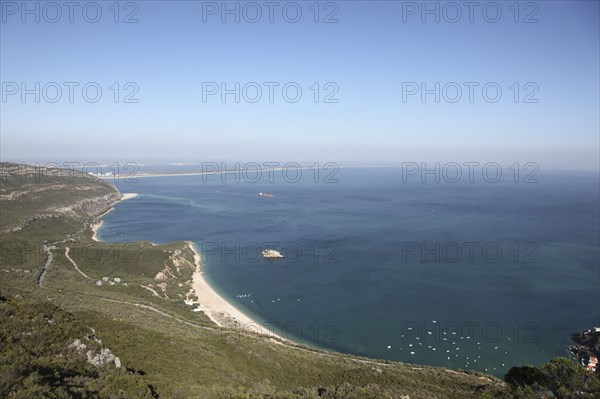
(127, 196)
(75, 264)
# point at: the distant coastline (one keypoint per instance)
(203, 173)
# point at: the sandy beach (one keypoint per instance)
(218, 309)
(96, 225)
(221, 312)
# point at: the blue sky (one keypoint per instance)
(374, 50)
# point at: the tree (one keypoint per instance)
(561, 378)
(568, 380)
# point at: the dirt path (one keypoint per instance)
(160, 312)
(151, 290)
(75, 264)
(49, 258)
(48, 248)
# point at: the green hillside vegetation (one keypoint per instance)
(45, 355)
(129, 299)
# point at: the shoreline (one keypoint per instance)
(218, 309)
(98, 222)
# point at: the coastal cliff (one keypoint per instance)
(29, 194)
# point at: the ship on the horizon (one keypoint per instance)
(265, 195)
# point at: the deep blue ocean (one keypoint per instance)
(478, 275)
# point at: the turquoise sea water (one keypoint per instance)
(464, 275)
